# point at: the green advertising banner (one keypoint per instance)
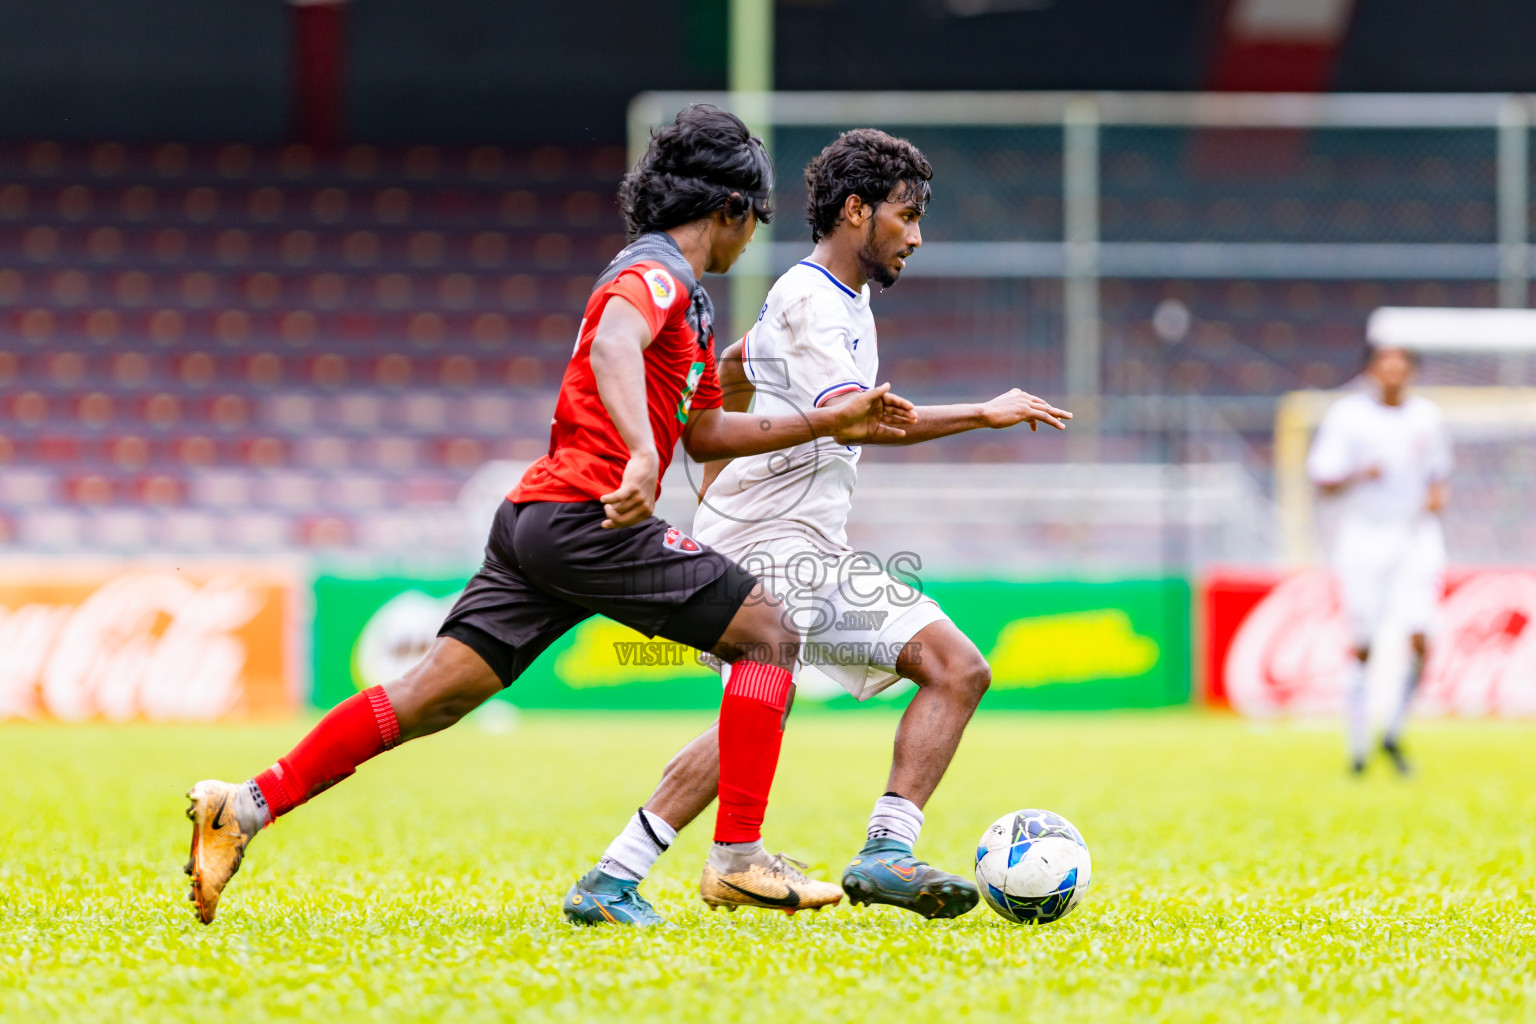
(1056, 646)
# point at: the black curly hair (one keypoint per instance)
(867, 163)
(701, 162)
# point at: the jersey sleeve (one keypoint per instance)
(819, 361)
(653, 291)
(1331, 459)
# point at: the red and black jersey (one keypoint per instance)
(586, 454)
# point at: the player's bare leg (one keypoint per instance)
(451, 681)
(1392, 740)
(952, 676)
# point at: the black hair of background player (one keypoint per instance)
(867, 163)
(705, 160)
(1415, 358)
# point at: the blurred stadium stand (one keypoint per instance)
(235, 347)
(248, 347)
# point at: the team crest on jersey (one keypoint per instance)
(663, 288)
(677, 540)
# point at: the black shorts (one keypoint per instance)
(549, 565)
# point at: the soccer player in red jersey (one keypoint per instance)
(577, 536)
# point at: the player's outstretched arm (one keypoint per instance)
(1006, 410)
(618, 366)
(736, 390)
(869, 417)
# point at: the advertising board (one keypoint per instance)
(149, 640)
(1060, 646)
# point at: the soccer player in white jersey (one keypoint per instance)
(1386, 455)
(812, 346)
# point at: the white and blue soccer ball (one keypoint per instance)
(1032, 866)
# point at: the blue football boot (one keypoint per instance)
(885, 871)
(602, 899)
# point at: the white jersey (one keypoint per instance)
(1389, 551)
(813, 341)
(1407, 443)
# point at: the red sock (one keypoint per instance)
(751, 732)
(358, 728)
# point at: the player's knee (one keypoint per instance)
(768, 638)
(1420, 644)
(975, 678)
(428, 700)
(965, 676)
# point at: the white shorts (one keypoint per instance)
(1390, 569)
(853, 617)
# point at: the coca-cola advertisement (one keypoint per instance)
(148, 641)
(1275, 643)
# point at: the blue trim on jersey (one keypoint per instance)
(817, 266)
(845, 384)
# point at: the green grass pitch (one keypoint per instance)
(1238, 875)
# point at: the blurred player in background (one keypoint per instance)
(786, 516)
(1386, 454)
(577, 537)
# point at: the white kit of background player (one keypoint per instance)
(1386, 454)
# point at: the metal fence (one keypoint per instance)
(1172, 264)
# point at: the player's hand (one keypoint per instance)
(871, 415)
(1435, 503)
(635, 500)
(1370, 473)
(1022, 407)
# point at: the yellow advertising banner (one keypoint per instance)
(150, 640)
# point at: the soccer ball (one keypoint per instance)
(1032, 866)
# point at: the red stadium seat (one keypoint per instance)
(94, 409)
(162, 410)
(263, 370)
(196, 369)
(160, 489)
(90, 489)
(130, 369)
(165, 327)
(101, 326)
(36, 326)
(29, 408)
(457, 371)
(66, 368)
(425, 330)
(263, 451)
(392, 371)
(229, 411)
(196, 450)
(15, 201)
(326, 532)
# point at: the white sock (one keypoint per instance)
(251, 809)
(633, 852)
(1356, 723)
(729, 858)
(1410, 684)
(896, 817)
